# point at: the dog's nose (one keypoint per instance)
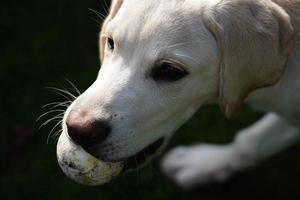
(85, 131)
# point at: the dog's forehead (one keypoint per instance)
(147, 18)
(159, 29)
(155, 23)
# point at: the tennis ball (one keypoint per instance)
(82, 167)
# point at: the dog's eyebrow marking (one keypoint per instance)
(176, 45)
(107, 34)
(190, 58)
(171, 61)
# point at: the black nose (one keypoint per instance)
(85, 131)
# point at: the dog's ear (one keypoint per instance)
(114, 8)
(255, 39)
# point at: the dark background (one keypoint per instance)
(45, 42)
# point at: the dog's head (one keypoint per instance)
(162, 60)
(152, 79)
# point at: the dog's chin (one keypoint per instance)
(136, 161)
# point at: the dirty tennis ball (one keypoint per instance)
(82, 167)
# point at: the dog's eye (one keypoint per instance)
(168, 72)
(110, 43)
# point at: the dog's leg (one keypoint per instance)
(204, 163)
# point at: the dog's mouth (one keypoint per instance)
(135, 161)
(140, 158)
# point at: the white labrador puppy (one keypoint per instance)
(162, 60)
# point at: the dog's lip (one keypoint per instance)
(136, 160)
(140, 158)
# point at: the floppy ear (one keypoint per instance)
(114, 8)
(255, 39)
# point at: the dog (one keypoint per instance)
(163, 60)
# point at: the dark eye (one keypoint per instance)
(110, 43)
(168, 72)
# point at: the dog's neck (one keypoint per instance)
(282, 98)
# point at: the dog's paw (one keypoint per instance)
(199, 165)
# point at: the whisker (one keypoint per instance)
(51, 104)
(105, 7)
(63, 104)
(100, 15)
(62, 92)
(58, 109)
(49, 135)
(56, 136)
(56, 125)
(51, 111)
(73, 85)
(58, 132)
(52, 119)
(62, 95)
(96, 21)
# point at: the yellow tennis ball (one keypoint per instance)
(82, 167)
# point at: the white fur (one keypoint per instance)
(148, 30)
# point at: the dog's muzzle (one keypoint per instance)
(79, 157)
(85, 168)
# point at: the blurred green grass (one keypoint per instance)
(45, 42)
